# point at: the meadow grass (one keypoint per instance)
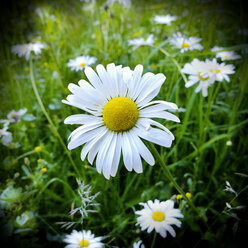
(200, 160)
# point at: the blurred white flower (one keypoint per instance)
(164, 19)
(141, 41)
(206, 73)
(126, 3)
(159, 216)
(184, 44)
(220, 71)
(225, 55)
(81, 62)
(26, 49)
(199, 72)
(5, 136)
(14, 116)
(83, 239)
(229, 143)
(138, 244)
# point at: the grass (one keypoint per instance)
(199, 159)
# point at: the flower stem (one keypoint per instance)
(173, 181)
(53, 127)
(154, 239)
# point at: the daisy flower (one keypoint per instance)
(199, 72)
(83, 239)
(119, 113)
(184, 44)
(81, 62)
(164, 19)
(220, 71)
(26, 49)
(138, 244)
(141, 41)
(159, 216)
(14, 116)
(225, 55)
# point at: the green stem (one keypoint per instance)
(154, 239)
(53, 127)
(173, 181)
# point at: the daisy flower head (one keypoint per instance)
(164, 19)
(220, 71)
(14, 116)
(26, 49)
(159, 216)
(79, 63)
(141, 41)
(138, 244)
(119, 114)
(185, 44)
(225, 55)
(83, 239)
(199, 71)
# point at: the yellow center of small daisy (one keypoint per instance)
(184, 44)
(84, 243)
(82, 64)
(225, 56)
(217, 71)
(120, 114)
(202, 78)
(158, 216)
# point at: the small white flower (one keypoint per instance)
(185, 44)
(159, 216)
(14, 116)
(119, 109)
(199, 72)
(141, 41)
(126, 3)
(26, 49)
(5, 123)
(225, 55)
(5, 136)
(138, 244)
(81, 62)
(229, 143)
(219, 71)
(83, 239)
(164, 19)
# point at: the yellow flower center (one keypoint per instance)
(225, 56)
(202, 78)
(188, 195)
(82, 64)
(158, 216)
(83, 243)
(184, 44)
(217, 71)
(120, 114)
(37, 148)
